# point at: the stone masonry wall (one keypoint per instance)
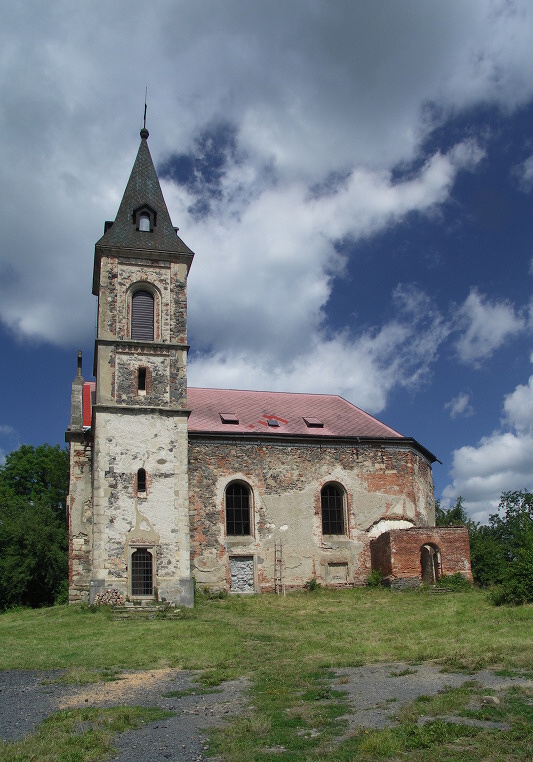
(80, 517)
(285, 480)
(126, 441)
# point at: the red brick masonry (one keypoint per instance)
(397, 553)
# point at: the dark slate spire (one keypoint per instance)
(143, 195)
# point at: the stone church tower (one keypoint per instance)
(129, 501)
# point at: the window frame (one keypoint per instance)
(150, 551)
(141, 288)
(327, 521)
(231, 523)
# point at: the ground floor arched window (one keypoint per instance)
(142, 572)
(332, 506)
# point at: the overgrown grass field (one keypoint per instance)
(285, 646)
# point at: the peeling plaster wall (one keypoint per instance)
(126, 440)
(381, 483)
(80, 517)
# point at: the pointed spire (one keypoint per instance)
(143, 197)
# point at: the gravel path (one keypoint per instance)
(375, 692)
(27, 698)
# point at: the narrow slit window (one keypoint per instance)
(141, 380)
(141, 480)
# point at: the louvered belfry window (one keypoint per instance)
(142, 316)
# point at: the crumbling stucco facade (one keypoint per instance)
(381, 485)
(243, 491)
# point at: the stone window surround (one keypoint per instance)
(144, 285)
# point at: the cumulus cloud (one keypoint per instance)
(485, 325)
(460, 406)
(321, 104)
(499, 462)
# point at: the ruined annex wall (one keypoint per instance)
(79, 506)
(125, 441)
(397, 553)
(285, 479)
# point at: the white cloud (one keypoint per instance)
(363, 368)
(312, 89)
(524, 172)
(485, 326)
(499, 462)
(460, 406)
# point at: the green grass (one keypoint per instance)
(285, 646)
(78, 735)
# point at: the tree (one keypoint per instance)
(38, 473)
(487, 553)
(33, 527)
(514, 533)
(451, 517)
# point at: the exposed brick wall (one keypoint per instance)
(397, 554)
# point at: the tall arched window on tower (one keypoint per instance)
(237, 509)
(142, 315)
(332, 505)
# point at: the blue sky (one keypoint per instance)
(356, 179)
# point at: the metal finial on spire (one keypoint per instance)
(144, 131)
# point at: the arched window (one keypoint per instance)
(142, 572)
(237, 509)
(332, 504)
(142, 316)
(144, 223)
(141, 480)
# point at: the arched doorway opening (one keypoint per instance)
(430, 563)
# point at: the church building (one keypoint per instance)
(242, 491)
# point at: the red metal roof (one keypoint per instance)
(289, 411)
(274, 414)
(88, 397)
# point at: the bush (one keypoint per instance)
(454, 582)
(375, 578)
(312, 585)
(517, 587)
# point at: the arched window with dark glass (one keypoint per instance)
(142, 572)
(142, 315)
(332, 504)
(237, 509)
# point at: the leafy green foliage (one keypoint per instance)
(451, 517)
(454, 582)
(33, 528)
(502, 551)
(375, 578)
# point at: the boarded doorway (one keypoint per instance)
(430, 563)
(242, 574)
